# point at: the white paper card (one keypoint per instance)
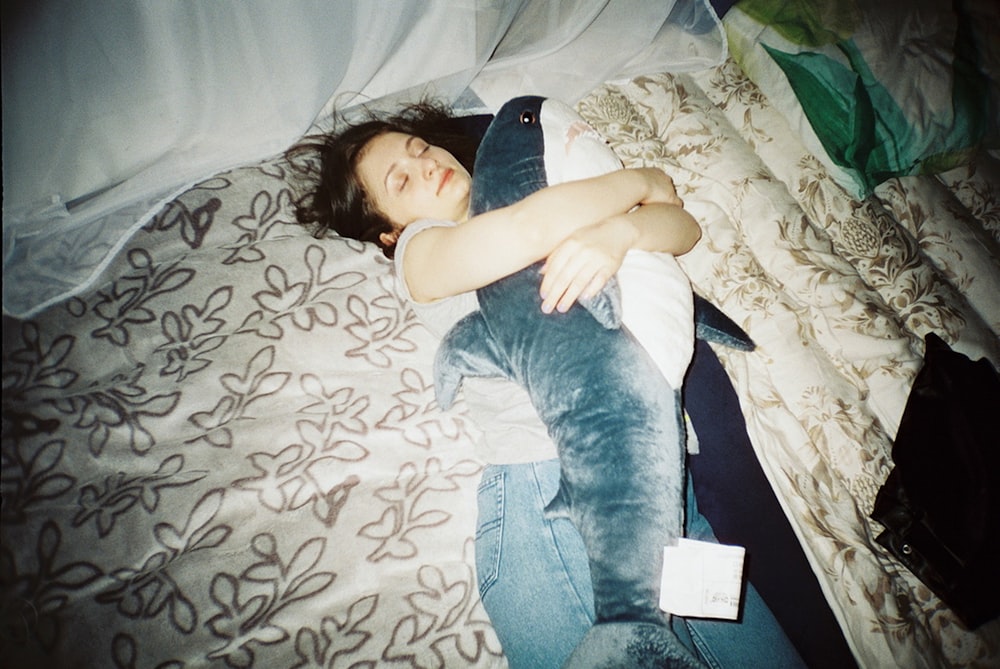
(702, 579)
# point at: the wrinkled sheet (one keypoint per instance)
(110, 108)
(226, 451)
(876, 90)
(838, 294)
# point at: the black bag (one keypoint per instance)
(941, 503)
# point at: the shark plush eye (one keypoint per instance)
(527, 117)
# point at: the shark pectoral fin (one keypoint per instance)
(606, 306)
(558, 507)
(711, 325)
(467, 350)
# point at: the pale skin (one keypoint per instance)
(589, 225)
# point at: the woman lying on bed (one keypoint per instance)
(380, 177)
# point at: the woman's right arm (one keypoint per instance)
(583, 263)
(445, 261)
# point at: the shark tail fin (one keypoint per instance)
(631, 644)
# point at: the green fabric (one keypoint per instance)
(811, 23)
(860, 125)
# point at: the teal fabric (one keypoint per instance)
(861, 127)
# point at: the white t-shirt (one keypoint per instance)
(512, 432)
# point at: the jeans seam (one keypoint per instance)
(704, 649)
(581, 601)
(495, 482)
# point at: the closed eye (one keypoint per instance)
(398, 178)
(418, 147)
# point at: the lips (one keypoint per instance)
(445, 178)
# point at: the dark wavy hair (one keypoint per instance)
(337, 201)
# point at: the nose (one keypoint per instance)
(427, 166)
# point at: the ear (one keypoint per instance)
(389, 238)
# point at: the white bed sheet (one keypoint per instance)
(110, 107)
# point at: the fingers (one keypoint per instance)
(663, 189)
(571, 275)
(562, 300)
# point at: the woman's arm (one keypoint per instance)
(588, 258)
(441, 262)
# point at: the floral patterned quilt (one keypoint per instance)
(838, 294)
(225, 452)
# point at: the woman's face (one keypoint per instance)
(408, 179)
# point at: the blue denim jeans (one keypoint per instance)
(534, 580)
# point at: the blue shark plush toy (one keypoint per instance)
(606, 404)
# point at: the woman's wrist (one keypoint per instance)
(623, 229)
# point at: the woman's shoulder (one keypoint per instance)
(399, 255)
(440, 315)
(410, 231)
(421, 225)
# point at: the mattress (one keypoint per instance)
(226, 450)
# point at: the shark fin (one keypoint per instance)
(711, 325)
(606, 306)
(467, 350)
(631, 644)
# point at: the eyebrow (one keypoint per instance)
(406, 147)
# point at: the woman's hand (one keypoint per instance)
(583, 263)
(660, 186)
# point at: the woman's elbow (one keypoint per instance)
(688, 235)
(695, 236)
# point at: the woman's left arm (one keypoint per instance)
(582, 264)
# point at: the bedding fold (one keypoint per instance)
(225, 451)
